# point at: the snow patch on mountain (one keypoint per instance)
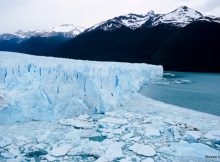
(29, 33)
(69, 28)
(182, 16)
(132, 21)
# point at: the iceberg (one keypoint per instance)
(47, 88)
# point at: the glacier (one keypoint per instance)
(91, 111)
(47, 88)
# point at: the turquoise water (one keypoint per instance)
(197, 91)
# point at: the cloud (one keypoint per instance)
(45, 14)
(211, 4)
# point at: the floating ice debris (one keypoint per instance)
(151, 131)
(148, 160)
(50, 158)
(136, 139)
(83, 117)
(213, 134)
(142, 149)
(60, 150)
(113, 152)
(127, 136)
(193, 135)
(114, 140)
(112, 120)
(76, 123)
(176, 133)
(7, 155)
(5, 141)
(168, 74)
(127, 159)
(194, 150)
(157, 82)
(118, 131)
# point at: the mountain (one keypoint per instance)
(132, 21)
(66, 30)
(180, 17)
(38, 41)
(183, 40)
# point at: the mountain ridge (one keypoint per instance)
(182, 40)
(179, 17)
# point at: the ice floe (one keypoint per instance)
(76, 123)
(113, 152)
(148, 160)
(113, 120)
(60, 150)
(194, 150)
(193, 135)
(142, 149)
(141, 130)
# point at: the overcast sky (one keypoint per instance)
(45, 14)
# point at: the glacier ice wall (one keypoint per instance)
(46, 88)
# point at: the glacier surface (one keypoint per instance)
(46, 88)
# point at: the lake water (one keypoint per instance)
(197, 91)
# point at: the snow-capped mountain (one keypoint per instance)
(30, 33)
(180, 17)
(67, 30)
(132, 21)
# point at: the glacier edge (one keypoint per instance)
(47, 88)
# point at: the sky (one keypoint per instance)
(46, 14)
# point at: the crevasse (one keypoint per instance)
(46, 88)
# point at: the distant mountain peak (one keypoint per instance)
(151, 12)
(68, 28)
(29, 33)
(184, 10)
(132, 21)
(181, 17)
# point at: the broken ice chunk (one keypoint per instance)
(151, 131)
(193, 135)
(142, 149)
(195, 150)
(113, 152)
(5, 141)
(112, 120)
(77, 123)
(60, 151)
